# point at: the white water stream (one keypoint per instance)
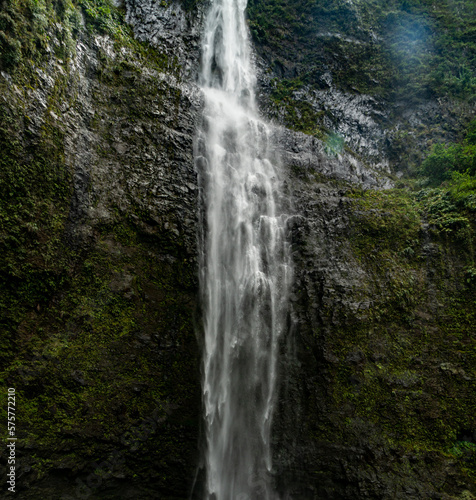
(245, 264)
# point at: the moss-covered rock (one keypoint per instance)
(98, 274)
(378, 401)
(98, 277)
(375, 73)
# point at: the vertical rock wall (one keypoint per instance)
(98, 275)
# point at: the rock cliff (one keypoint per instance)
(99, 214)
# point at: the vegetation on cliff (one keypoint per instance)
(401, 48)
(390, 347)
(96, 313)
(408, 56)
(98, 283)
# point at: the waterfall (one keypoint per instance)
(245, 266)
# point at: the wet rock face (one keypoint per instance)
(341, 64)
(144, 164)
(306, 155)
(361, 122)
(171, 28)
(371, 373)
(357, 118)
(381, 135)
(122, 248)
(362, 383)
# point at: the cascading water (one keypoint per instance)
(245, 264)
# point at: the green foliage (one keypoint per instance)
(27, 26)
(295, 113)
(449, 206)
(443, 161)
(462, 188)
(456, 164)
(398, 49)
(470, 137)
(440, 210)
(470, 275)
(465, 452)
(101, 15)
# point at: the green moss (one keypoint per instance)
(293, 112)
(35, 187)
(27, 28)
(397, 49)
(97, 339)
(108, 352)
(405, 369)
(102, 16)
(388, 220)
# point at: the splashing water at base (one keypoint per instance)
(245, 264)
